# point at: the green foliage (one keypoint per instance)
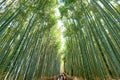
(92, 39)
(28, 48)
(30, 38)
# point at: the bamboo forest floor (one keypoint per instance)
(68, 77)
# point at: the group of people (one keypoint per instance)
(61, 76)
(64, 76)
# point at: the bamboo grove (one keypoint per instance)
(92, 38)
(30, 39)
(28, 46)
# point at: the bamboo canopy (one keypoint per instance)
(32, 45)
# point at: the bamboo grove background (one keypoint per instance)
(28, 47)
(92, 38)
(30, 43)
